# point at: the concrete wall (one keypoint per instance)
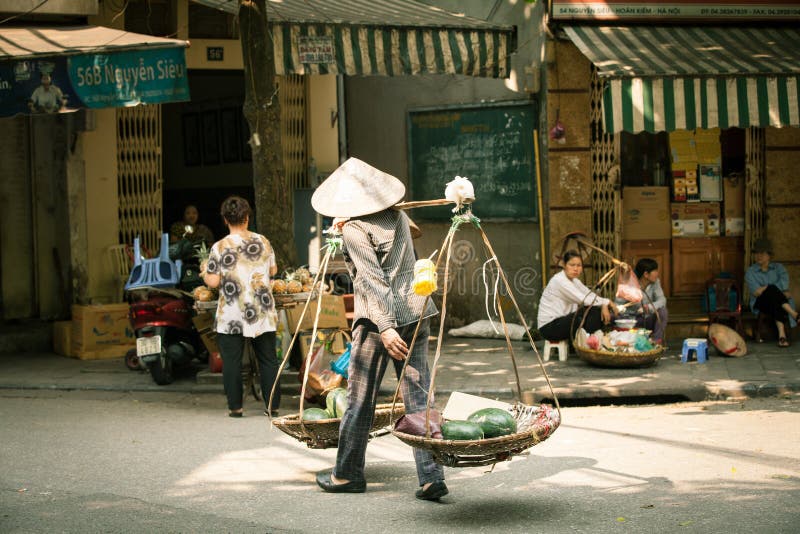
(783, 199)
(376, 111)
(51, 7)
(567, 164)
(323, 123)
(102, 206)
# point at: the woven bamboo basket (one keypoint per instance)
(606, 358)
(292, 298)
(534, 425)
(324, 434)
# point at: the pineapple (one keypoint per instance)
(279, 286)
(294, 286)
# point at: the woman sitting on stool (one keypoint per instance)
(563, 303)
(768, 282)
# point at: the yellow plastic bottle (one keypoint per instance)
(425, 277)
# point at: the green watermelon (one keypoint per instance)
(336, 402)
(494, 422)
(461, 430)
(315, 414)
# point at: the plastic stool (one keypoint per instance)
(154, 272)
(698, 345)
(562, 346)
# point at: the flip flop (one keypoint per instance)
(783, 342)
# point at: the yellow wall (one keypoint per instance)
(196, 54)
(323, 134)
(102, 203)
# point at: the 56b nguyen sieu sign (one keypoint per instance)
(665, 10)
(56, 84)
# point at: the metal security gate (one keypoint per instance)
(293, 97)
(754, 193)
(139, 175)
(606, 200)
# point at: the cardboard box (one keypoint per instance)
(101, 331)
(734, 226)
(710, 183)
(62, 338)
(204, 324)
(733, 197)
(679, 195)
(645, 213)
(338, 343)
(332, 314)
(695, 219)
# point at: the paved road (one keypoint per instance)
(92, 461)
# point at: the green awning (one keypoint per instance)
(674, 78)
(381, 37)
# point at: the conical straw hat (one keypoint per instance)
(356, 189)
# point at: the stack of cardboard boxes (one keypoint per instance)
(332, 318)
(697, 179)
(96, 332)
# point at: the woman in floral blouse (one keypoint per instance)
(241, 265)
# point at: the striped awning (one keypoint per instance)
(381, 37)
(674, 78)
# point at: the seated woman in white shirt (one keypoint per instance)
(563, 303)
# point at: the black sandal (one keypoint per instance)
(783, 342)
(235, 414)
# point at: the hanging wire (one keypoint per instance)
(31, 10)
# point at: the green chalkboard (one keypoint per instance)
(492, 145)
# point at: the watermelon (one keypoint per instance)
(336, 402)
(315, 414)
(494, 422)
(461, 430)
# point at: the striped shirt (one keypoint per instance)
(380, 257)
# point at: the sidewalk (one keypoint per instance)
(477, 366)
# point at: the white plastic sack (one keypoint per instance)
(483, 328)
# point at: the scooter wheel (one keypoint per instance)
(132, 361)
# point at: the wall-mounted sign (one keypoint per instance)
(706, 10)
(215, 53)
(54, 84)
(315, 49)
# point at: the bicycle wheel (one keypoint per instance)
(251, 376)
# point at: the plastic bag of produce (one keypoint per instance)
(628, 286)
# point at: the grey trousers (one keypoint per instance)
(368, 362)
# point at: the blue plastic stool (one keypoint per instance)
(156, 272)
(698, 345)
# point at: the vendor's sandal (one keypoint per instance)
(783, 342)
(231, 413)
(435, 491)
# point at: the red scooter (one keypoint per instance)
(161, 312)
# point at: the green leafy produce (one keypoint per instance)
(315, 414)
(461, 430)
(494, 422)
(336, 402)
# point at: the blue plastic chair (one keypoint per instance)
(154, 272)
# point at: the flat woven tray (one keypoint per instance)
(324, 434)
(205, 304)
(605, 358)
(534, 425)
(289, 298)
